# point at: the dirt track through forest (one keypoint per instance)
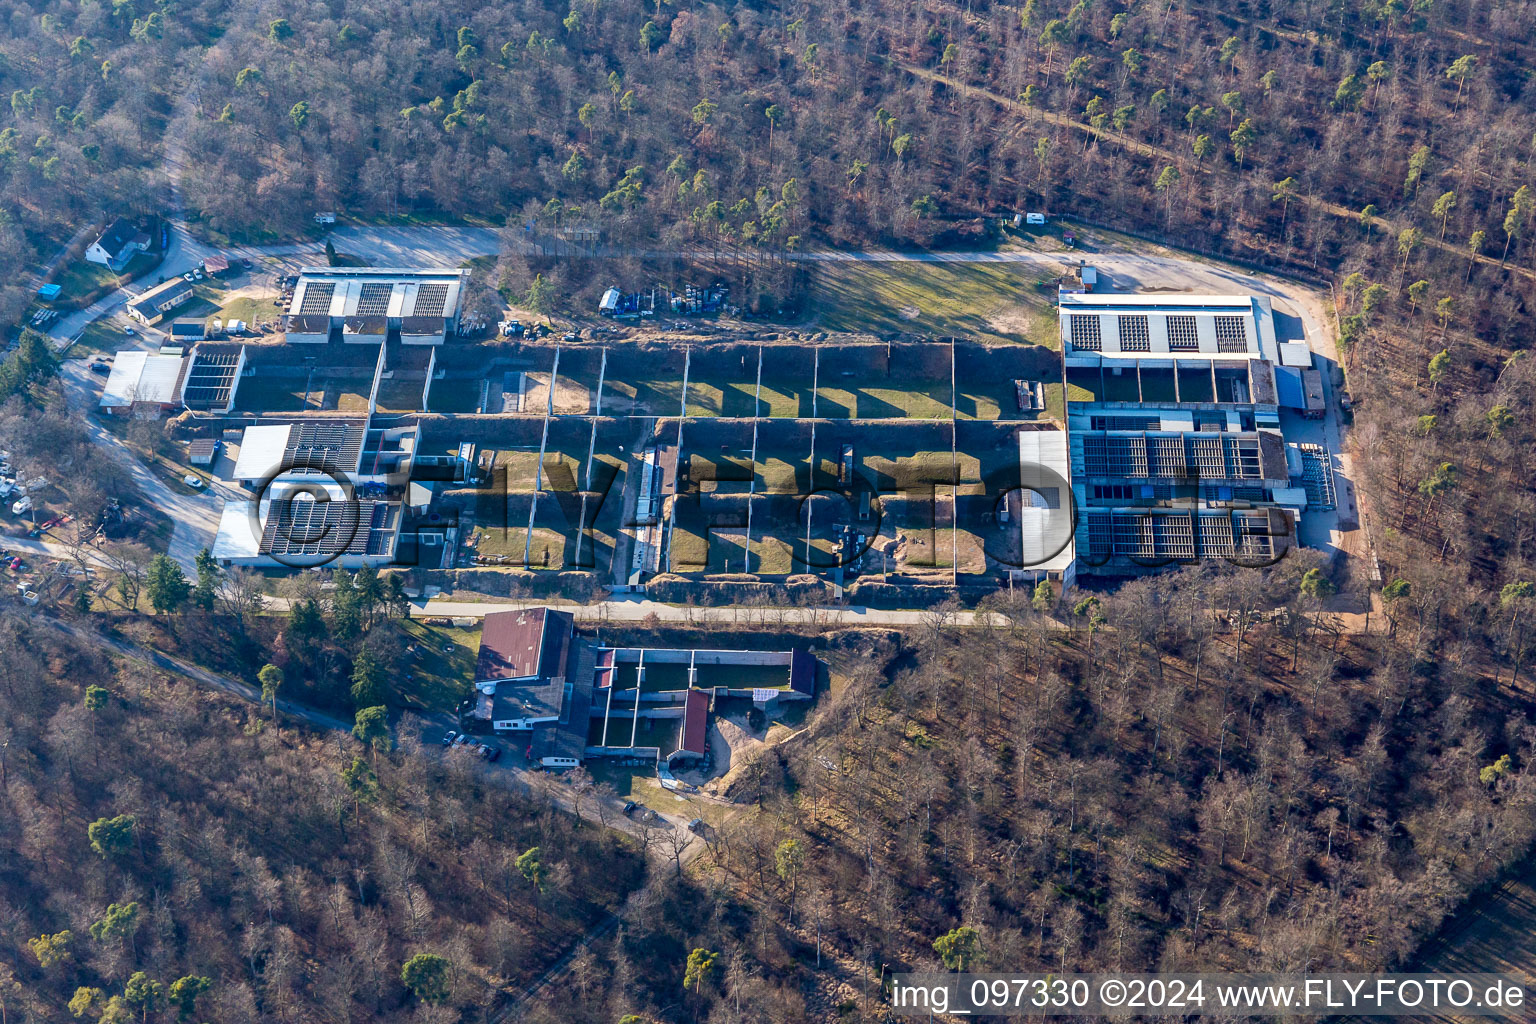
(1182, 162)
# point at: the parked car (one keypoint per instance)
(246, 263)
(449, 737)
(17, 565)
(187, 276)
(697, 825)
(100, 368)
(193, 481)
(128, 330)
(629, 807)
(197, 275)
(494, 754)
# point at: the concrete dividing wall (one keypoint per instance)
(654, 697)
(742, 657)
(378, 379)
(426, 388)
(657, 656)
(688, 656)
(654, 753)
(734, 691)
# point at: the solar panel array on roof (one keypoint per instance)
(303, 527)
(298, 527)
(333, 447)
(430, 299)
(381, 527)
(317, 297)
(211, 379)
(373, 299)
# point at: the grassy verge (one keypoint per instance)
(522, 470)
(100, 337)
(82, 282)
(400, 395)
(994, 302)
(440, 671)
(548, 549)
(250, 308)
(454, 396)
(279, 393)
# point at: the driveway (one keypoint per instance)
(183, 252)
(194, 513)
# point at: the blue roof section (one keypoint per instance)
(1288, 390)
(48, 291)
(802, 672)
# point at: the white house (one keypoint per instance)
(117, 245)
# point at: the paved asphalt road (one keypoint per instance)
(194, 513)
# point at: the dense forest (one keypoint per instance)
(1280, 122)
(1157, 791)
(168, 854)
(1206, 772)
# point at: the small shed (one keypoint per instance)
(1295, 353)
(188, 329)
(216, 264)
(1030, 395)
(1312, 387)
(202, 451)
(48, 292)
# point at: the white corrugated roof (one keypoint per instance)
(239, 533)
(161, 378)
(1295, 353)
(143, 377)
(261, 451)
(1045, 521)
(126, 369)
